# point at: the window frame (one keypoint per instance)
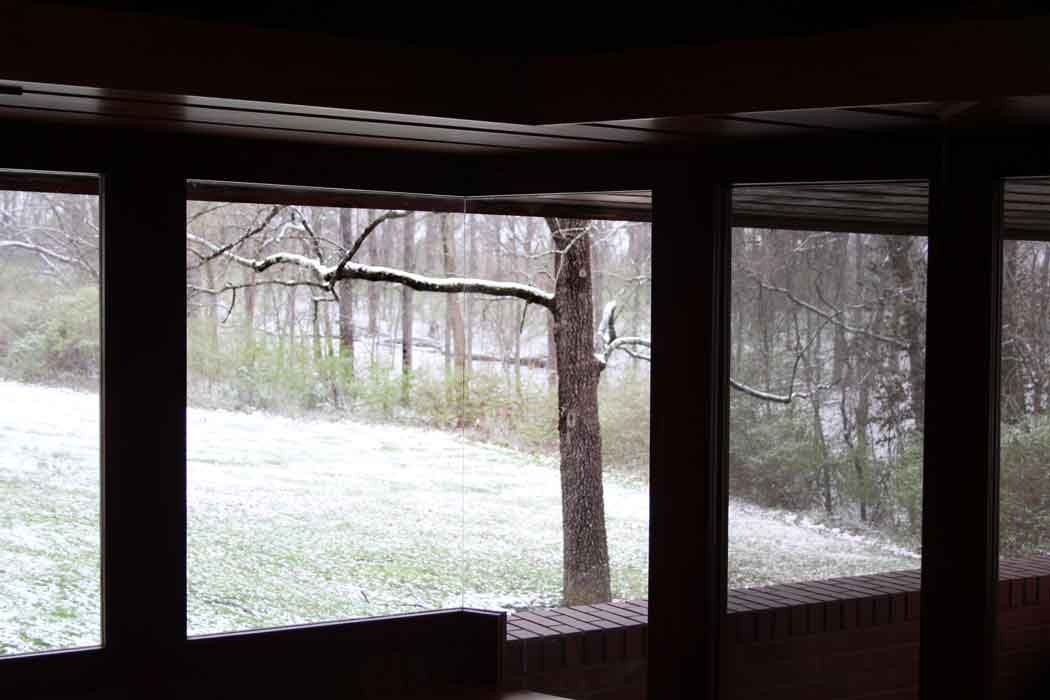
(690, 191)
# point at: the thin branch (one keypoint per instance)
(775, 398)
(225, 249)
(834, 317)
(229, 286)
(41, 250)
(206, 211)
(360, 240)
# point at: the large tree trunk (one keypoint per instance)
(909, 315)
(1039, 331)
(408, 234)
(586, 554)
(453, 312)
(552, 354)
(1012, 367)
(315, 326)
(346, 295)
(374, 257)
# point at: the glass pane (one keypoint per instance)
(325, 474)
(827, 382)
(557, 511)
(1024, 482)
(50, 488)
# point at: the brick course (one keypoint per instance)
(853, 637)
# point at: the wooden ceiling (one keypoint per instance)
(328, 125)
(884, 207)
(888, 207)
(72, 64)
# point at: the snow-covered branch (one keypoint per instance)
(445, 285)
(769, 396)
(330, 274)
(610, 342)
(49, 254)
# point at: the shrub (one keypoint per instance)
(59, 341)
(773, 459)
(1024, 503)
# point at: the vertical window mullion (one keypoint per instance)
(960, 514)
(687, 484)
(143, 417)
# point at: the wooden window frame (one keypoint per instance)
(143, 187)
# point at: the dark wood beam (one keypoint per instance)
(144, 419)
(883, 65)
(960, 534)
(688, 496)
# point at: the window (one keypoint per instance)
(50, 354)
(324, 481)
(557, 509)
(1024, 508)
(827, 382)
(390, 443)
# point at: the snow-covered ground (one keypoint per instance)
(294, 520)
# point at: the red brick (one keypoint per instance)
(615, 645)
(881, 611)
(513, 659)
(534, 656)
(865, 612)
(573, 650)
(899, 607)
(633, 648)
(745, 627)
(833, 617)
(593, 648)
(913, 606)
(764, 626)
(798, 620)
(553, 653)
(781, 623)
(816, 618)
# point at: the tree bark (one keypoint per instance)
(585, 548)
(1012, 368)
(908, 313)
(408, 233)
(454, 314)
(373, 289)
(346, 296)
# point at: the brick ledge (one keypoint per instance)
(877, 598)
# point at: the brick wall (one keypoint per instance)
(839, 638)
(588, 652)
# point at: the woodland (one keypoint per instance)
(535, 334)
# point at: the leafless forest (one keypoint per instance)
(535, 334)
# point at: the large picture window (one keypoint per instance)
(560, 516)
(50, 356)
(1024, 502)
(396, 408)
(827, 349)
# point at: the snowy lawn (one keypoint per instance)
(294, 520)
